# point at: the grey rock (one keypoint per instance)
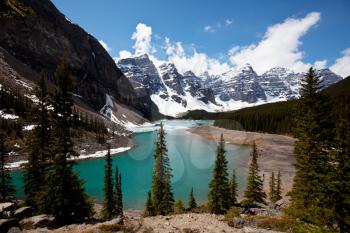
(6, 224)
(239, 85)
(238, 223)
(14, 230)
(7, 206)
(37, 221)
(23, 212)
(39, 41)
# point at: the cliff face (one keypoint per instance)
(41, 36)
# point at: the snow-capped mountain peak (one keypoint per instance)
(175, 93)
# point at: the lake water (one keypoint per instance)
(191, 158)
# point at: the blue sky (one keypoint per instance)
(207, 31)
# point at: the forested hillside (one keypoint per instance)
(273, 117)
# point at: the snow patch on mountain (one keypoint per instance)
(176, 93)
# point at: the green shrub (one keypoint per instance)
(179, 207)
(109, 228)
(284, 224)
(231, 213)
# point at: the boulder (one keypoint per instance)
(23, 212)
(37, 221)
(238, 223)
(7, 206)
(14, 230)
(116, 220)
(6, 224)
(6, 209)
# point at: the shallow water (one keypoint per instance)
(191, 158)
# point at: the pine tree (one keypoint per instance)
(254, 192)
(179, 207)
(108, 210)
(314, 133)
(118, 192)
(149, 211)
(192, 202)
(7, 189)
(278, 188)
(340, 194)
(272, 188)
(66, 198)
(233, 188)
(39, 148)
(163, 199)
(219, 195)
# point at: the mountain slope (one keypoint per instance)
(274, 117)
(37, 41)
(175, 93)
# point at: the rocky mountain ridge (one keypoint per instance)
(36, 40)
(175, 93)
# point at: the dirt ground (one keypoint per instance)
(275, 151)
(196, 223)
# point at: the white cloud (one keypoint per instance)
(320, 64)
(279, 46)
(342, 64)
(143, 38)
(105, 46)
(208, 28)
(124, 54)
(196, 62)
(228, 22)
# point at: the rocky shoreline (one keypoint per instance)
(276, 151)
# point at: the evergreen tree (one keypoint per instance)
(149, 211)
(179, 207)
(109, 209)
(38, 143)
(192, 204)
(233, 188)
(118, 192)
(272, 188)
(254, 192)
(219, 195)
(66, 198)
(278, 188)
(6, 189)
(340, 194)
(163, 200)
(314, 133)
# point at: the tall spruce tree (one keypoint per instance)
(272, 188)
(108, 210)
(118, 192)
(340, 194)
(149, 207)
(192, 204)
(278, 188)
(38, 143)
(314, 133)
(219, 195)
(233, 187)
(254, 192)
(163, 199)
(66, 198)
(7, 189)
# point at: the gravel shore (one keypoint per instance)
(276, 151)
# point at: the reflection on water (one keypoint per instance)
(191, 158)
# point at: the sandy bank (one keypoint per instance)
(276, 151)
(97, 154)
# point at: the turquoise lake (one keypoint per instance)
(191, 158)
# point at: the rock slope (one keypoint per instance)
(37, 40)
(175, 93)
